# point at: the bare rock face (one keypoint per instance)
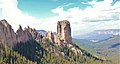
(50, 36)
(63, 34)
(64, 31)
(22, 36)
(39, 37)
(33, 34)
(57, 39)
(7, 34)
(10, 38)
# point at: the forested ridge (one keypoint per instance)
(31, 47)
(33, 52)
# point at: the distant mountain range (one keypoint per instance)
(104, 42)
(43, 32)
(108, 38)
(99, 35)
(109, 47)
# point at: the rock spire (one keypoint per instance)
(64, 31)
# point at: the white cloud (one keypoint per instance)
(84, 3)
(0, 3)
(100, 11)
(0, 9)
(101, 15)
(55, 0)
(15, 17)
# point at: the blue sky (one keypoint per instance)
(0, 8)
(0, 12)
(84, 15)
(42, 8)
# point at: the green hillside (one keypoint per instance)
(108, 48)
(33, 52)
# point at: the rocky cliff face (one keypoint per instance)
(63, 34)
(64, 31)
(22, 36)
(57, 44)
(7, 34)
(9, 37)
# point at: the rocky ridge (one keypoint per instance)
(7, 34)
(9, 37)
(61, 39)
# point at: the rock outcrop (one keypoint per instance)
(64, 31)
(33, 34)
(50, 36)
(9, 37)
(56, 43)
(7, 34)
(63, 34)
(22, 36)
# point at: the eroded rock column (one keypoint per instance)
(64, 31)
